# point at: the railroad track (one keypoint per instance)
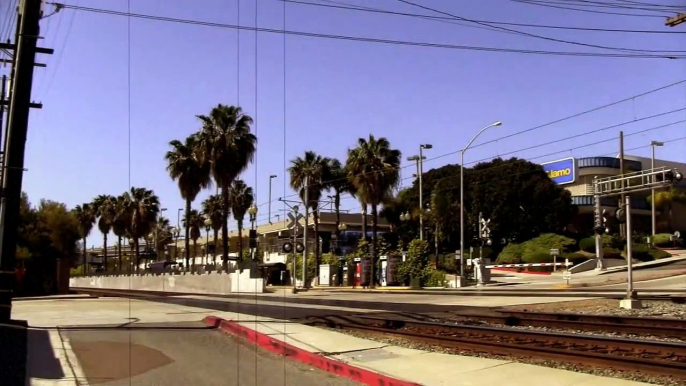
(633, 355)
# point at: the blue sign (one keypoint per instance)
(561, 171)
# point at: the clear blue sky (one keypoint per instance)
(336, 91)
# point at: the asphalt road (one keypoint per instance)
(172, 354)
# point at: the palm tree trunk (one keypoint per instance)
(364, 221)
(374, 230)
(195, 251)
(85, 256)
(104, 251)
(137, 252)
(119, 249)
(188, 227)
(315, 214)
(225, 226)
(240, 239)
(214, 255)
(337, 204)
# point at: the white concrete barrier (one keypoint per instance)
(210, 283)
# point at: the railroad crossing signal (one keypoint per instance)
(601, 225)
(295, 221)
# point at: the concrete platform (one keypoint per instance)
(411, 365)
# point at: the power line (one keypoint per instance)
(594, 4)
(60, 52)
(530, 34)
(443, 18)
(373, 40)
(587, 10)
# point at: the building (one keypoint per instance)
(577, 174)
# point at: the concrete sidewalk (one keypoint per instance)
(425, 368)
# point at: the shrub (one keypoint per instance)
(538, 257)
(640, 252)
(587, 244)
(431, 277)
(547, 241)
(662, 240)
(511, 254)
(658, 254)
(612, 253)
(574, 257)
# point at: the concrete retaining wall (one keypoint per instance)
(590, 265)
(210, 283)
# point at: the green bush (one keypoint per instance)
(612, 253)
(662, 240)
(587, 244)
(658, 254)
(431, 277)
(639, 252)
(511, 254)
(538, 257)
(574, 257)
(548, 241)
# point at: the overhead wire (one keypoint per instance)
(531, 34)
(587, 10)
(378, 40)
(60, 52)
(337, 5)
(592, 4)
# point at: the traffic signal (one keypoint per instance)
(287, 247)
(602, 225)
(673, 176)
(299, 247)
(253, 238)
(620, 214)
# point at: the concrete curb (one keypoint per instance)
(279, 347)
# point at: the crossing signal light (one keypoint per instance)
(602, 226)
(252, 238)
(673, 176)
(287, 247)
(299, 247)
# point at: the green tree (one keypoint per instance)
(212, 209)
(193, 221)
(85, 217)
(191, 170)
(229, 147)
(309, 173)
(144, 206)
(163, 235)
(105, 208)
(240, 200)
(373, 168)
(665, 200)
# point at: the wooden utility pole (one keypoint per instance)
(676, 20)
(13, 165)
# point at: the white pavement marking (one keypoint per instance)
(72, 373)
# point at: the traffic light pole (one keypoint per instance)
(600, 263)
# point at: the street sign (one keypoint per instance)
(567, 275)
(554, 252)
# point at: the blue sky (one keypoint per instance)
(336, 91)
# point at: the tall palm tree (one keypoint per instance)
(229, 147)
(212, 209)
(85, 216)
(105, 208)
(186, 165)
(144, 206)
(240, 200)
(373, 168)
(121, 222)
(163, 234)
(193, 221)
(312, 168)
(337, 179)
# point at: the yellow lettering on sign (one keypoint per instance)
(559, 173)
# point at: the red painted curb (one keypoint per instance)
(341, 369)
(526, 272)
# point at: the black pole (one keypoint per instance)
(16, 144)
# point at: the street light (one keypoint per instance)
(652, 191)
(252, 211)
(418, 161)
(270, 197)
(498, 123)
(175, 232)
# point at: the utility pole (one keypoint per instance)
(676, 20)
(307, 219)
(24, 61)
(622, 227)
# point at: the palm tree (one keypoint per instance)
(185, 165)
(229, 147)
(373, 168)
(193, 221)
(121, 222)
(163, 234)
(105, 208)
(240, 200)
(86, 218)
(311, 169)
(144, 207)
(337, 179)
(212, 209)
